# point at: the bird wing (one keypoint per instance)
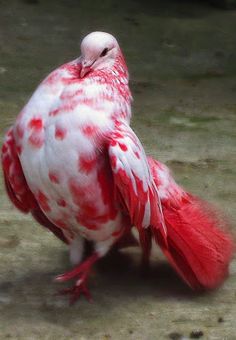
(134, 183)
(15, 182)
(17, 187)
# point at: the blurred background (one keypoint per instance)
(182, 62)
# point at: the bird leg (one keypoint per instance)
(81, 273)
(145, 238)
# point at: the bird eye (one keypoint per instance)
(104, 52)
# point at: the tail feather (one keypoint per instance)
(198, 248)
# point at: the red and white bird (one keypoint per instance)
(72, 160)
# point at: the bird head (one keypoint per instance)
(98, 50)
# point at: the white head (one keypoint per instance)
(98, 50)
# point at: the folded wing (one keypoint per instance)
(134, 184)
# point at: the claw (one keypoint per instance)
(75, 292)
(80, 287)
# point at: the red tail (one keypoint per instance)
(197, 248)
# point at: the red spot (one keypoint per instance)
(43, 201)
(61, 203)
(90, 130)
(117, 135)
(113, 161)
(87, 164)
(117, 233)
(73, 69)
(54, 112)
(88, 209)
(137, 154)
(87, 101)
(60, 133)
(52, 78)
(71, 94)
(91, 226)
(185, 199)
(117, 123)
(108, 97)
(77, 192)
(65, 108)
(10, 142)
(83, 221)
(68, 80)
(36, 124)
(54, 178)
(60, 223)
(113, 142)
(123, 147)
(36, 140)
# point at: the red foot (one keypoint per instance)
(80, 272)
(75, 293)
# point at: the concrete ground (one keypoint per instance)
(181, 56)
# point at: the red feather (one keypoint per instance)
(198, 249)
(198, 245)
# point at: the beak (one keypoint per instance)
(86, 66)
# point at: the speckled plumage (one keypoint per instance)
(72, 160)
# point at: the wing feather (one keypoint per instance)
(133, 179)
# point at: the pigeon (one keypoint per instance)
(73, 162)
